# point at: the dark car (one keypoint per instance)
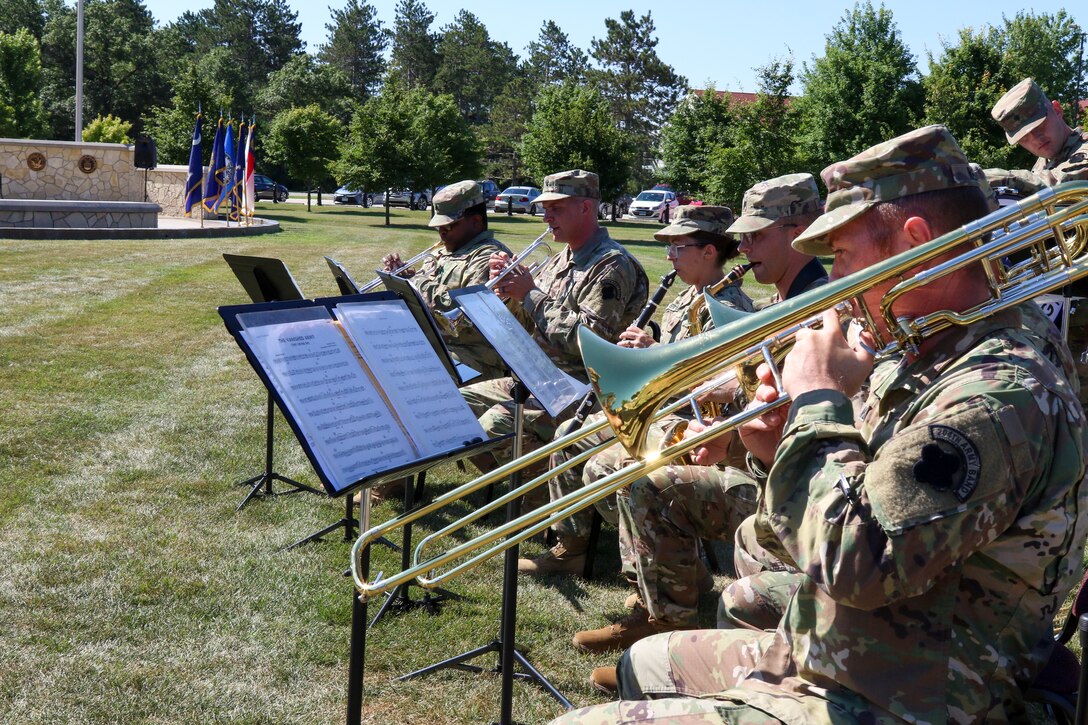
(265, 188)
(491, 190)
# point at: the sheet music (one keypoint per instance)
(410, 372)
(341, 413)
(553, 388)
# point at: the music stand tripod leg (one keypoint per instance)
(400, 599)
(347, 522)
(261, 484)
(504, 645)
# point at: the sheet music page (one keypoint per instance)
(552, 387)
(418, 385)
(343, 416)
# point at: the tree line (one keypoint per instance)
(410, 105)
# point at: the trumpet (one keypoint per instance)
(427, 253)
(452, 320)
(1050, 229)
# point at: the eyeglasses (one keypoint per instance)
(673, 250)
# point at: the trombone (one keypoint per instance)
(453, 319)
(1050, 229)
(427, 253)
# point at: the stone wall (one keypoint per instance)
(34, 169)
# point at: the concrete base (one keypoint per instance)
(67, 214)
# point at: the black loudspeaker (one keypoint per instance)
(145, 155)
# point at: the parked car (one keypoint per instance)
(491, 190)
(344, 195)
(410, 199)
(265, 188)
(604, 209)
(654, 204)
(518, 198)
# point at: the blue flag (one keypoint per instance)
(226, 180)
(239, 172)
(196, 168)
(215, 170)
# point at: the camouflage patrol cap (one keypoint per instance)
(774, 199)
(570, 183)
(926, 159)
(451, 203)
(690, 218)
(1021, 110)
(984, 185)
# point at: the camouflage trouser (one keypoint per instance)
(608, 461)
(757, 601)
(678, 670)
(577, 526)
(667, 512)
(491, 402)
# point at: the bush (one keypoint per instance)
(108, 129)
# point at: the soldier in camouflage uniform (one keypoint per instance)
(698, 249)
(668, 511)
(938, 540)
(460, 218)
(593, 281)
(1038, 125)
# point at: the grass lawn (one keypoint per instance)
(132, 592)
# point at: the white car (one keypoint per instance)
(652, 203)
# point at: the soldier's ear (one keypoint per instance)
(1058, 109)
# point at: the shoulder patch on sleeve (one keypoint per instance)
(931, 471)
(610, 290)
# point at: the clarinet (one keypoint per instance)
(643, 317)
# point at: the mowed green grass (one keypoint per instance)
(132, 592)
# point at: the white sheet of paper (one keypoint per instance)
(411, 374)
(343, 417)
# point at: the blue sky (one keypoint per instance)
(706, 41)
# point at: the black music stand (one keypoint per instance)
(266, 280)
(344, 280)
(533, 372)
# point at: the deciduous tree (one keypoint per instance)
(573, 129)
(862, 91)
(306, 141)
(21, 112)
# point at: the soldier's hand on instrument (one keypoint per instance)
(391, 262)
(713, 451)
(496, 263)
(635, 337)
(762, 435)
(517, 283)
(823, 359)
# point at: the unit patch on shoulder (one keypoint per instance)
(610, 291)
(950, 462)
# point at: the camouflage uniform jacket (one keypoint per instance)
(938, 541)
(1071, 164)
(465, 267)
(676, 318)
(600, 286)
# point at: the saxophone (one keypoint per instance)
(709, 409)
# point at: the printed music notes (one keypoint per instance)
(367, 404)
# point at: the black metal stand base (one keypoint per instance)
(261, 484)
(399, 600)
(348, 523)
(504, 645)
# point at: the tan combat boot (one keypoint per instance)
(566, 557)
(604, 680)
(620, 635)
